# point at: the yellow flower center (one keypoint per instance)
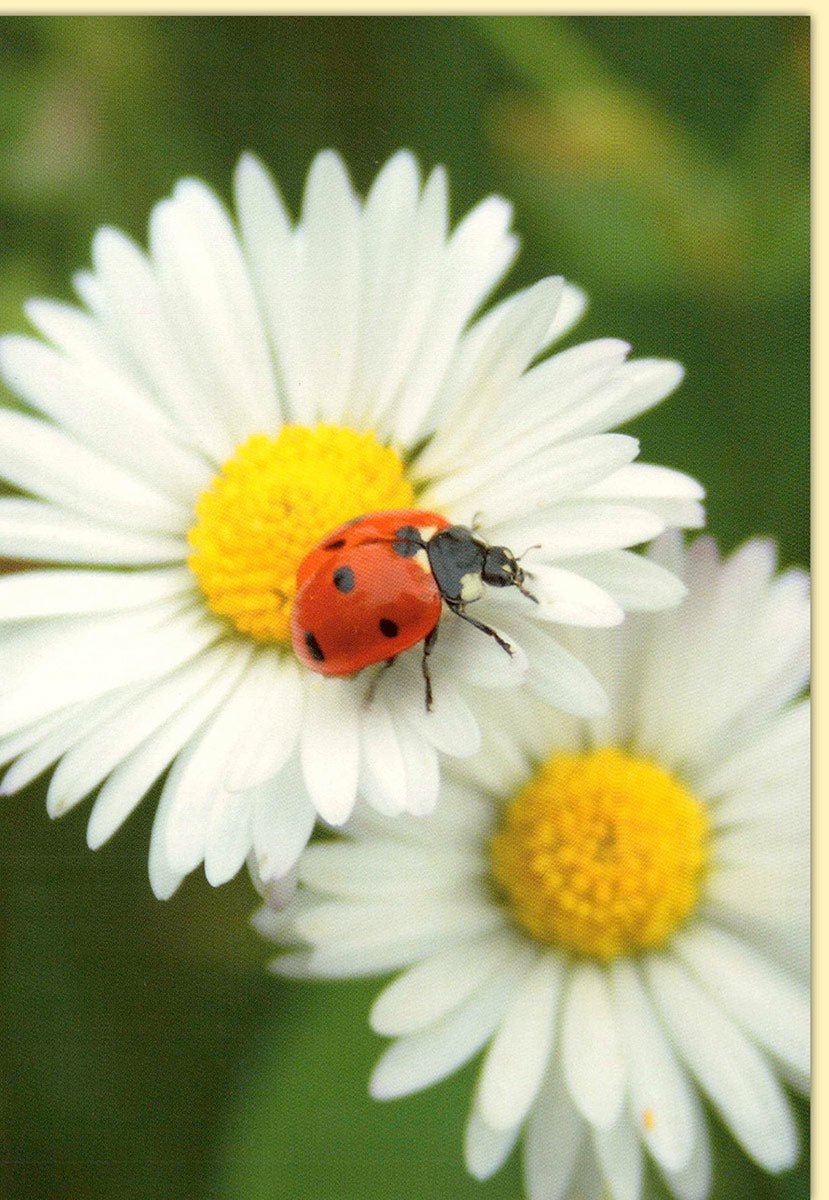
(271, 503)
(601, 853)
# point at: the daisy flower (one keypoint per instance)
(217, 405)
(616, 909)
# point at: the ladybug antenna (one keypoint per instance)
(537, 546)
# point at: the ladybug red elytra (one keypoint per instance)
(376, 585)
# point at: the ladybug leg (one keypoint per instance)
(428, 645)
(375, 680)
(525, 592)
(459, 611)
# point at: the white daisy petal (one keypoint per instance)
(477, 657)
(420, 763)
(693, 1181)
(635, 582)
(731, 1071)
(393, 267)
(361, 946)
(784, 742)
(518, 1057)
(449, 725)
(164, 879)
(206, 295)
(384, 869)
(357, 921)
(568, 598)
(555, 391)
(328, 288)
(748, 843)
(382, 757)
(41, 532)
(99, 654)
(421, 249)
(98, 753)
(329, 748)
(676, 514)
(460, 819)
(231, 326)
(427, 992)
(130, 781)
(592, 1057)
(771, 896)
(197, 787)
(577, 527)
(671, 496)
(270, 252)
(283, 819)
(415, 1062)
(490, 360)
(57, 734)
(350, 962)
(39, 458)
(502, 770)
(555, 475)
(25, 645)
(643, 481)
(478, 253)
(107, 412)
(273, 725)
(557, 675)
(83, 338)
(570, 309)
(770, 1007)
(29, 594)
(635, 388)
(539, 409)
(660, 1093)
(24, 739)
(133, 300)
(555, 1135)
(619, 1152)
(485, 1149)
(766, 805)
(229, 836)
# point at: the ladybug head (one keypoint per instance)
(501, 569)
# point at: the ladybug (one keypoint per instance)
(376, 585)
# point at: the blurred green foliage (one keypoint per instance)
(660, 162)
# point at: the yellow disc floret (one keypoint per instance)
(601, 853)
(271, 503)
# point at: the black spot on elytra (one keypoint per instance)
(408, 541)
(388, 628)
(337, 544)
(344, 579)
(314, 647)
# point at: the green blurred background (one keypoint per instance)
(661, 163)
